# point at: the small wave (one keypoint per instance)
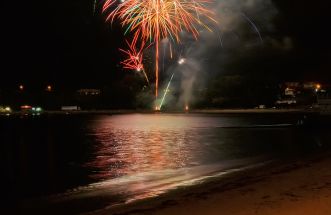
(145, 185)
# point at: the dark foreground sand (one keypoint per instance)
(294, 189)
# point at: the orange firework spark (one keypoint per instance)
(154, 20)
(135, 57)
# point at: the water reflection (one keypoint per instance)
(139, 155)
(130, 144)
(136, 143)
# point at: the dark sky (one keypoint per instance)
(62, 42)
(307, 22)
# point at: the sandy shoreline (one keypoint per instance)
(303, 187)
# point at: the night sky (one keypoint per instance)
(63, 43)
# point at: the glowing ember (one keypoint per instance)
(187, 108)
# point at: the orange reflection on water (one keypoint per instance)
(131, 144)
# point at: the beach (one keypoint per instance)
(201, 164)
(297, 188)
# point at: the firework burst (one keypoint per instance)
(153, 20)
(134, 59)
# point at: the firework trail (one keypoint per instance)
(221, 37)
(154, 20)
(163, 56)
(250, 21)
(94, 6)
(166, 91)
(170, 47)
(134, 59)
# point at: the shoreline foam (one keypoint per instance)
(302, 187)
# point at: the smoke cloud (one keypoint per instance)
(243, 26)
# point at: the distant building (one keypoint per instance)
(88, 98)
(311, 85)
(70, 108)
(292, 84)
(291, 89)
(289, 92)
(89, 92)
(299, 93)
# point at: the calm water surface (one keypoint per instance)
(122, 158)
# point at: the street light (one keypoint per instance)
(21, 87)
(318, 87)
(49, 88)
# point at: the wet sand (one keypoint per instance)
(303, 187)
